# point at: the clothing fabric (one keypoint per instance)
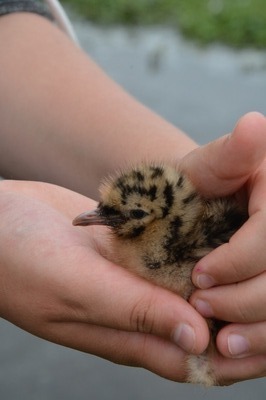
(33, 6)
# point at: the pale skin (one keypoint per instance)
(78, 126)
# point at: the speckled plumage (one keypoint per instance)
(161, 226)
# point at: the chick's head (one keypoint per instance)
(138, 197)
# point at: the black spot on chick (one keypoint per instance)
(111, 216)
(168, 195)
(152, 192)
(165, 211)
(125, 189)
(139, 189)
(190, 198)
(107, 211)
(136, 232)
(138, 176)
(120, 183)
(180, 181)
(177, 250)
(157, 172)
(173, 231)
(176, 224)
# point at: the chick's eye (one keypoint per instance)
(138, 214)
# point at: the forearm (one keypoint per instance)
(62, 119)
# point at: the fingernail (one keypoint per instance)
(238, 345)
(204, 281)
(184, 337)
(204, 308)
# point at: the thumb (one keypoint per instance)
(224, 165)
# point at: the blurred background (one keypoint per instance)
(201, 64)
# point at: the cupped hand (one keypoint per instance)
(56, 284)
(232, 278)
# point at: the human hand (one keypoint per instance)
(233, 276)
(56, 285)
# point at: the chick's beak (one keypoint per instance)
(89, 218)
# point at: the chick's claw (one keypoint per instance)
(160, 227)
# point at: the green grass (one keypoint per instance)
(239, 23)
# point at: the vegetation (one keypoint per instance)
(239, 23)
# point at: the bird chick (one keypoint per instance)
(161, 226)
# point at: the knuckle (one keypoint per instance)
(242, 309)
(143, 315)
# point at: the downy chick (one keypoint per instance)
(161, 226)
